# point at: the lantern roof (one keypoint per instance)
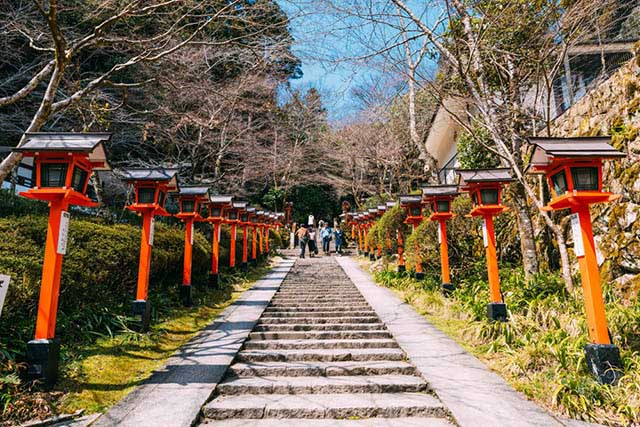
(547, 149)
(382, 207)
(90, 143)
(250, 210)
(440, 190)
(410, 199)
(223, 200)
(193, 191)
(240, 204)
(373, 211)
(390, 205)
(169, 176)
(479, 176)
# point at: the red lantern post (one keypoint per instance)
(233, 218)
(287, 207)
(63, 163)
(151, 189)
(190, 200)
(381, 210)
(217, 207)
(389, 206)
(413, 206)
(440, 198)
(249, 215)
(485, 188)
(573, 167)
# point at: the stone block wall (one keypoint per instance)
(613, 108)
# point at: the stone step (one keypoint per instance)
(325, 297)
(339, 302)
(321, 327)
(332, 313)
(319, 293)
(308, 344)
(348, 405)
(321, 355)
(324, 385)
(317, 320)
(317, 306)
(323, 308)
(296, 369)
(319, 335)
(356, 422)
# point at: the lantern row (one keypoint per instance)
(573, 168)
(63, 163)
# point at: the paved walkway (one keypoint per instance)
(324, 347)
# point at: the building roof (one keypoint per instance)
(193, 191)
(170, 176)
(69, 142)
(410, 199)
(223, 200)
(471, 176)
(545, 149)
(440, 190)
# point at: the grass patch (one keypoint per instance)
(540, 350)
(96, 375)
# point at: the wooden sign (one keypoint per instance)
(578, 243)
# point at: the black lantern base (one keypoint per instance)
(142, 309)
(389, 252)
(604, 362)
(402, 269)
(185, 295)
(366, 254)
(214, 281)
(497, 311)
(447, 288)
(419, 275)
(254, 261)
(244, 267)
(372, 257)
(42, 361)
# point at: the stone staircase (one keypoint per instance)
(320, 356)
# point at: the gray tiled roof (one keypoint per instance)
(193, 191)
(74, 142)
(440, 190)
(590, 147)
(151, 174)
(408, 199)
(468, 176)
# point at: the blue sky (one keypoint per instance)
(327, 55)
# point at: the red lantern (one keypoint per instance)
(190, 201)
(63, 163)
(485, 188)
(573, 167)
(217, 209)
(151, 189)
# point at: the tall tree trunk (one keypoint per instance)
(530, 260)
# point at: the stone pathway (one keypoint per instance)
(320, 356)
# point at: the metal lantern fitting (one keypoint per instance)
(485, 188)
(151, 188)
(63, 163)
(190, 201)
(413, 205)
(573, 167)
(218, 206)
(440, 198)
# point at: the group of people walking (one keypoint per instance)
(307, 238)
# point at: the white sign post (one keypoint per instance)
(485, 238)
(439, 234)
(192, 231)
(4, 287)
(578, 243)
(311, 220)
(152, 228)
(63, 234)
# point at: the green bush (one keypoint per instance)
(387, 225)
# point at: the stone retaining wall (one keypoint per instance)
(613, 108)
